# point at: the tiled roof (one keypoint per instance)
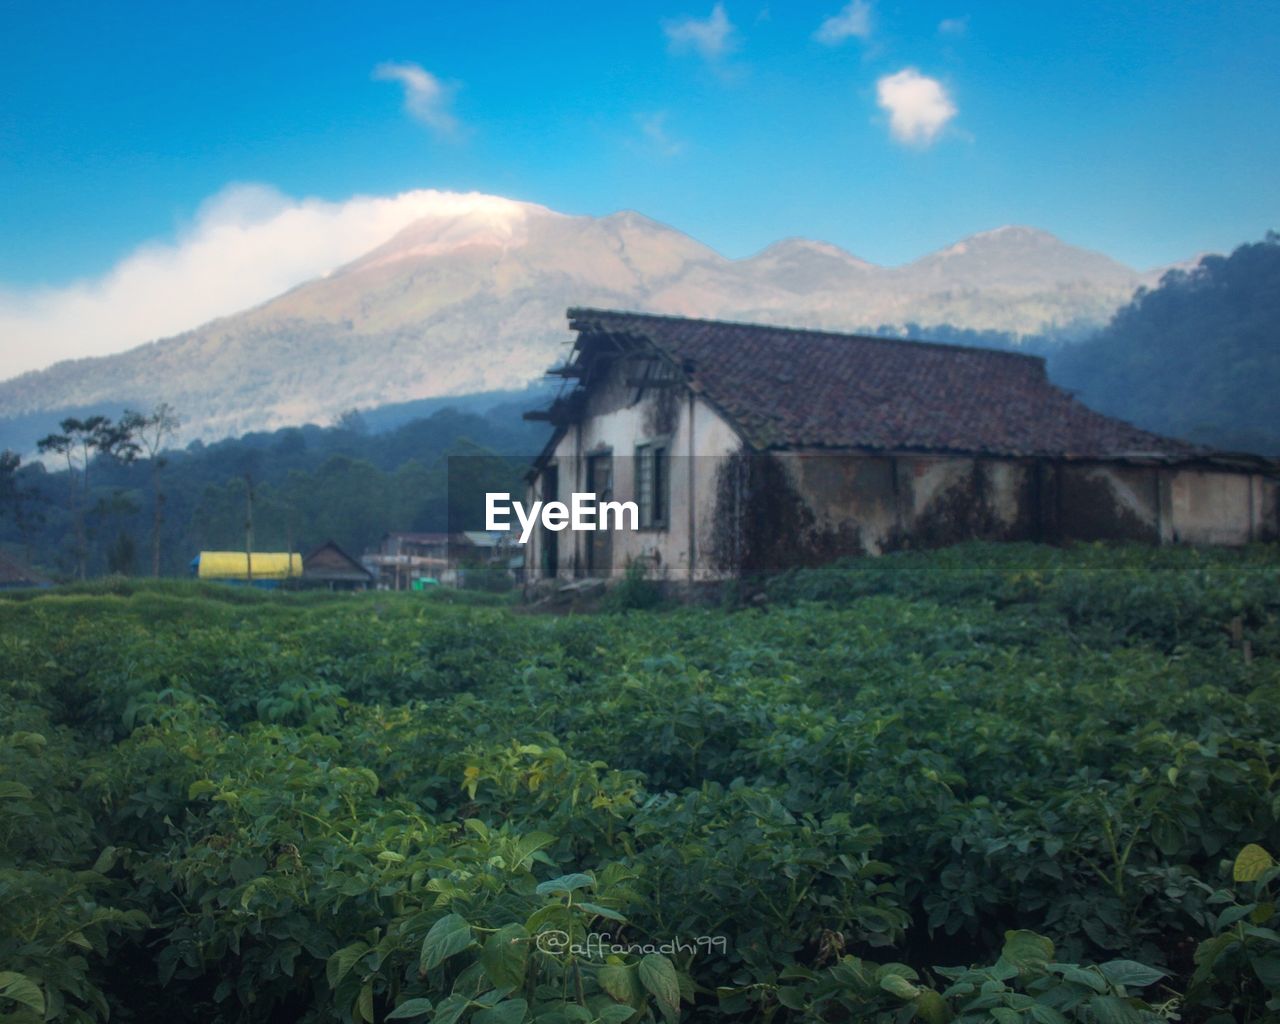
(787, 388)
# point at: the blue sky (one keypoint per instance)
(1149, 131)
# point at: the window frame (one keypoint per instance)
(651, 454)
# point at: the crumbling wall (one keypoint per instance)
(1267, 506)
(895, 502)
(779, 511)
(776, 512)
(854, 500)
(950, 500)
(764, 524)
(1106, 501)
(662, 409)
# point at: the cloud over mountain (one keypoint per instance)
(247, 244)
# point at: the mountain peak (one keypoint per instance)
(1007, 238)
(452, 221)
(1018, 233)
(634, 219)
(790, 248)
(1020, 257)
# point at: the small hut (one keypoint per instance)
(330, 567)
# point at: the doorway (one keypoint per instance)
(600, 542)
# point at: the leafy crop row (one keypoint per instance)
(988, 783)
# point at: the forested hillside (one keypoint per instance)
(1198, 357)
(310, 484)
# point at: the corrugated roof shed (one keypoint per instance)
(785, 388)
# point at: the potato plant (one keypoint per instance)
(990, 783)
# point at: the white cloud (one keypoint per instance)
(919, 107)
(654, 128)
(853, 20)
(426, 98)
(711, 37)
(247, 244)
(954, 26)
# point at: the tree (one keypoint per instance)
(153, 431)
(79, 443)
(10, 461)
(1195, 357)
(120, 556)
(352, 421)
(121, 553)
(18, 499)
(248, 525)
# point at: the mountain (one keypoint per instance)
(474, 301)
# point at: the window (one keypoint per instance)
(653, 484)
(660, 485)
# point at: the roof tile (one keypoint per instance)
(790, 388)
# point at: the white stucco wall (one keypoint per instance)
(1220, 508)
(614, 421)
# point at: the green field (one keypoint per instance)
(993, 783)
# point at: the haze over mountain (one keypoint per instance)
(474, 301)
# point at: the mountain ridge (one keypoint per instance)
(473, 300)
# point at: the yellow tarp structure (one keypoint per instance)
(234, 565)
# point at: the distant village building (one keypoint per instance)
(405, 558)
(14, 575)
(407, 561)
(486, 556)
(331, 568)
(751, 449)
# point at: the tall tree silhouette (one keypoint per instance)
(153, 431)
(79, 443)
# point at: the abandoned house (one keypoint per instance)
(750, 448)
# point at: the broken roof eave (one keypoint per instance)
(580, 365)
